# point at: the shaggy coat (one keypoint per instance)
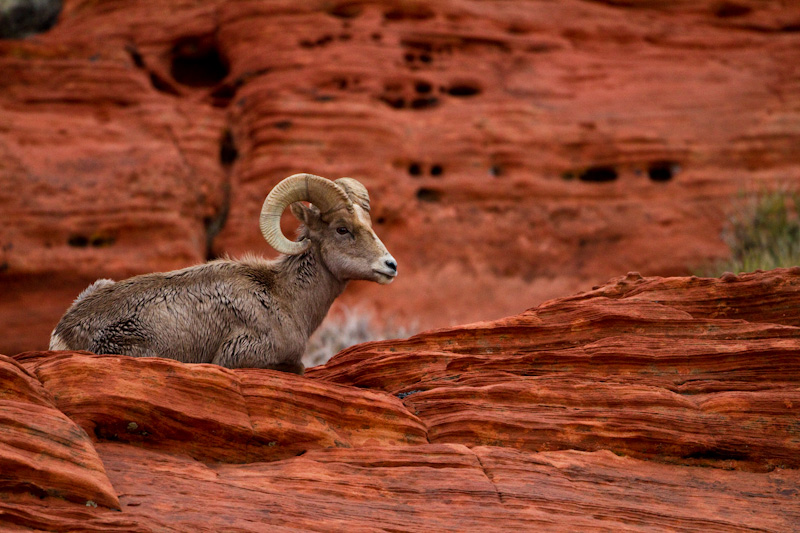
(235, 313)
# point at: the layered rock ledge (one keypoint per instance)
(644, 404)
(512, 150)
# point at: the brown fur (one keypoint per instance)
(246, 313)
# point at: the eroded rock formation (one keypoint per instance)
(643, 404)
(515, 151)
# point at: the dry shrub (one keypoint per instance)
(763, 232)
(347, 328)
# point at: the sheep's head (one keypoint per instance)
(337, 221)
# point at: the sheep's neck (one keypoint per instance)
(313, 288)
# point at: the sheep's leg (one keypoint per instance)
(293, 368)
(244, 350)
(126, 337)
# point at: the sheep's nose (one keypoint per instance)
(391, 264)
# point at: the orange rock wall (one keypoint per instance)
(647, 404)
(515, 151)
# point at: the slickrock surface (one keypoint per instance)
(630, 367)
(42, 451)
(644, 404)
(216, 414)
(515, 151)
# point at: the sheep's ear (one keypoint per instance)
(307, 215)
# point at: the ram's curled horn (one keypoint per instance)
(323, 193)
(356, 191)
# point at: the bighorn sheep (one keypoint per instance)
(241, 313)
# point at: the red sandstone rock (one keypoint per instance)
(592, 412)
(214, 414)
(42, 451)
(624, 367)
(137, 137)
(450, 488)
(772, 297)
(430, 488)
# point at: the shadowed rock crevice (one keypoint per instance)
(409, 11)
(726, 10)
(345, 9)
(228, 154)
(489, 478)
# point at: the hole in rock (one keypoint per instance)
(97, 240)
(661, 171)
(600, 174)
(196, 62)
(464, 90)
(425, 194)
(424, 103)
(228, 152)
(101, 240)
(396, 102)
(423, 87)
(346, 10)
(414, 169)
(436, 170)
(78, 241)
(731, 10)
(409, 12)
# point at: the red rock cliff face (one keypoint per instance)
(647, 404)
(515, 151)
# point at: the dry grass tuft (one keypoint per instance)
(763, 233)
(348, 328)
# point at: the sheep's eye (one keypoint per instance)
(341, 230)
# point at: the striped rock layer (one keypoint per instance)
(644, 404)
